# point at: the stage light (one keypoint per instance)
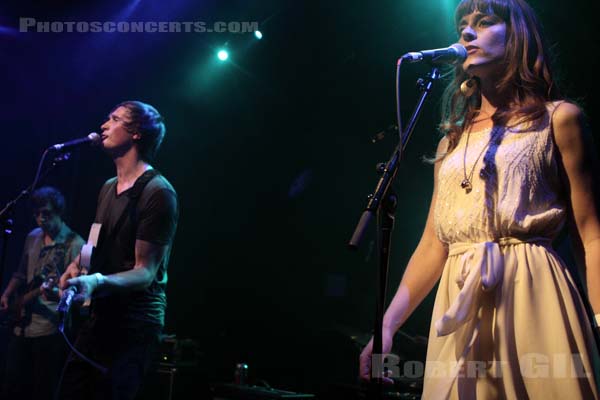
(7, 30)
(258, 34)
(223, 55)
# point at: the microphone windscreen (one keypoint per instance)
(94, 138)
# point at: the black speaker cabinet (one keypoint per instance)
(175, 382)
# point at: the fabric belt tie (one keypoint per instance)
(481, 269)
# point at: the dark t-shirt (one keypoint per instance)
(150, 216)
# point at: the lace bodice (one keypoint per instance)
(516, 189)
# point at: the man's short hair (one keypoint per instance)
(49, 195)
(146, 121)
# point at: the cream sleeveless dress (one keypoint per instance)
(508, 321)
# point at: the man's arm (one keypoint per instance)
(155, 231)
(18, 277)
(148, 257)
(10, 289)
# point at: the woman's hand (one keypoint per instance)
(365, 360)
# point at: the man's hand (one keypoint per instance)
(86, 285)
(4, 302)
(72, 277)
(49, 291)
(72, 271)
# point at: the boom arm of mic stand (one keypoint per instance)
(387, 176)
(25, 192)
(391, 167)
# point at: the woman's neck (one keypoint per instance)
(491, 98)
(483, 119)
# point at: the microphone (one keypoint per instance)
(92, 138)
(66, 299)
(454, 54)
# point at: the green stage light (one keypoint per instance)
(223, 55)
(258, 34)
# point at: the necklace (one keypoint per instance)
(479, 120)
(466, 182)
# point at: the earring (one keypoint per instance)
(468, 87)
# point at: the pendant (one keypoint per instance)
(466, 184)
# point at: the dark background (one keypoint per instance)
(270, 153)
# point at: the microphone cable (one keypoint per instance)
(94, 364)
(64, 306)
(398, 111)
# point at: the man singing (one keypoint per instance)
(138, 214)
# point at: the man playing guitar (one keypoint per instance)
(36, 350)
(138, 212)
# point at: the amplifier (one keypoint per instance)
(175, 382)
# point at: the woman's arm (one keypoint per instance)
(422, 272)
(576, 152)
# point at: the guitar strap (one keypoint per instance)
(129, 210)
(134, 195)
(60, 257)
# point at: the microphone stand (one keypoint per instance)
(6, 214)
(383, 202)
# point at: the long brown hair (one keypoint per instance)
(527, 82)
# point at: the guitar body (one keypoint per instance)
(20, 309)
